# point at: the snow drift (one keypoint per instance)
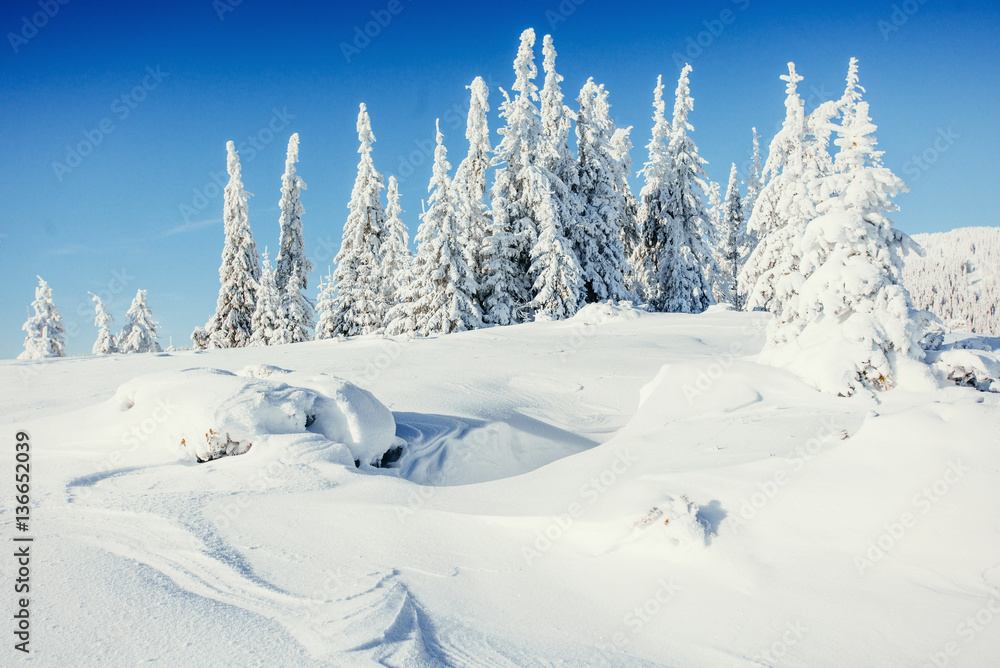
(211, 413)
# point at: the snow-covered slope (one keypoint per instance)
(618, 489)
(959, 279)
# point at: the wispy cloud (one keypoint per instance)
(191, 226)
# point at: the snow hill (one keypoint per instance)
(959, 279)
(617, 489)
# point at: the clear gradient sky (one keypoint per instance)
(164, 85)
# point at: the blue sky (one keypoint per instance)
(156, 89)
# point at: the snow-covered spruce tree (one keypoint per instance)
(359, 305)
(469, 186)
(754, 185)
(295, 313)
(597, 238)
(441, 298)
(621, 142)
(515, 196)
(713, 192)
(687, 261)
(785, 205)
(139, 333)
(558, 288)
(397, 261)
(325, 309)
(45, 334)
(732, 248)
(267, 318)
(105, 343)
(853, 320)
(230, 326)
(291, 257)
(652, 221)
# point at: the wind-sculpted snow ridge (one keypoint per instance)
(211, 413)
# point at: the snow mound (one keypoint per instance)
(211, 413)
(972, 367)
(677, 519)
(602, 312)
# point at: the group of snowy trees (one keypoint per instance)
(553, 232)
(810, 239)
(260, 305)
(959, 279)
(45, 332)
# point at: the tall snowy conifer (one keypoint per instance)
(621, 142)
(360, 306)
(105, 343)
(686, 285)
(653, 222)
(45, 333)
(515, 195)
(469, 185)
(397, 261)
(598, 236)
(230, 326)
(291, 257)
(441, 298)
(779, 218)
(754, 182)
(139, 333)
(267, 320)
(852, 320)
(733, 244)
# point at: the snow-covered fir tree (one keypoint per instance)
(686, 285)
(469, 185)
(754, 182)
(291, 257)
(781, 212)
(557, 282)
(621, 142)
(852, 321)
(230, 326)
(295, 313)
(441, 297)
(45, 333)
(653, 222)
(326, 306)
(359, 305)
(267, 318)
(597, 238)
(713, 192)
(397, 261)
(105, 343)
(515, 195)
(732, 248)
(673, 262)
(139, 333)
